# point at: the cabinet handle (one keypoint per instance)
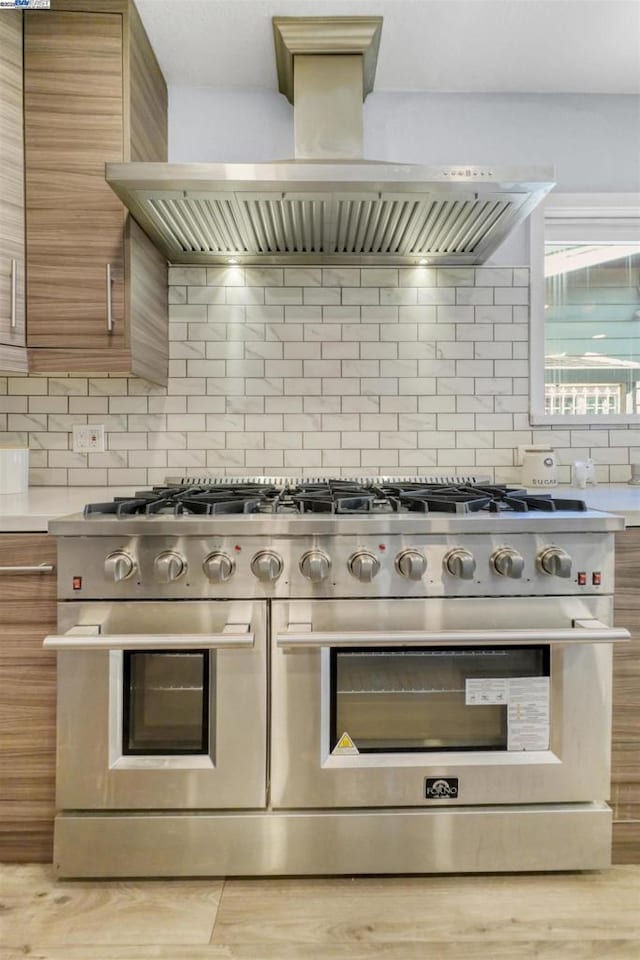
(109, 301)
(14, 289)
(40, 568)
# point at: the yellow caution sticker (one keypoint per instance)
(345, 747)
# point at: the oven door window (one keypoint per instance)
(394, 700)
(166, 702)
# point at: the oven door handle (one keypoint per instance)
(302, 637)
(235, 636)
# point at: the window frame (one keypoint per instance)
(616, 213)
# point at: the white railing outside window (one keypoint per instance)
(571, 400)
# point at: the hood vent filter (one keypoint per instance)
(274, 225)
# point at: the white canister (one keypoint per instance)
(539, 467)
(14, 469)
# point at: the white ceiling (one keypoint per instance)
(482, 46)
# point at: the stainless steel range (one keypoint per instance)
(279, 676)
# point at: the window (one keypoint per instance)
(166, 702)
(585, 309)
(392, 700)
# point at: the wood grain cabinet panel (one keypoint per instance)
(28, 701)
(75, 223)
(93, 94)
(625, 775)
(13, 356)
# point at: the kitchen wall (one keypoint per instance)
(315, 371)
(344, 370)
(592, 140)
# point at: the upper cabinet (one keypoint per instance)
(96, 286)
(13, 356)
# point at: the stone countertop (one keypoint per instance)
(30, 512)
(619, 498)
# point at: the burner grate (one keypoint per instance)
(451, 502)
(333, 496)
(187, 501)
(472, 498)
(337, 496)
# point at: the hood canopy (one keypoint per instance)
(327, 205)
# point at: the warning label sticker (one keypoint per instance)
(345, 747)
(528, 714)
(527, 703)
(480, 692)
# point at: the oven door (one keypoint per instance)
(161, 705)
(416, 702)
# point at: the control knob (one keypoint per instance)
(218, 567)
(169, 566)
(118, 566)
(411, 564)
(315, 565)
(508, 562)
(460, 563)
(266, 566)
(363, 566)
(555, 562)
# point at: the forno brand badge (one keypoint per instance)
(25, 4)
(441, 788)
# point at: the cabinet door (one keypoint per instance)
(11, 181)
(28, 702)
(75, 224)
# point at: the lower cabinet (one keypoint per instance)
(625, 777)
(28, 700)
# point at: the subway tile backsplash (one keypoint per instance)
(314, 370)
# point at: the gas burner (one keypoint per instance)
(471, 498)
(188, 501)
(334, 496)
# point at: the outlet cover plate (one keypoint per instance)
(88, 438)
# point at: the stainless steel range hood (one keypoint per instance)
(327, 205)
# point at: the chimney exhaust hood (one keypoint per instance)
(328, 205)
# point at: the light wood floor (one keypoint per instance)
(593, 916)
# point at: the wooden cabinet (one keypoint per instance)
(13, 356)
(96, 286)
(625, 776)
(28, 702)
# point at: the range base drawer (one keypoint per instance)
(461, 840)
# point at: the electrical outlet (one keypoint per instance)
(88, 438)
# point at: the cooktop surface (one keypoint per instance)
(376, 496)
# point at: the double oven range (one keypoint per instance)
(262, 677)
